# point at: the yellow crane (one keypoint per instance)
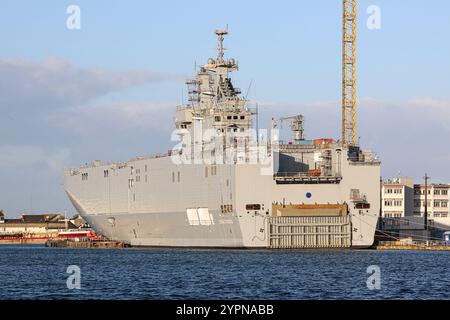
(349, 29)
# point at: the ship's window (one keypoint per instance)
(242, 117)
(217, 118)
(252, 206)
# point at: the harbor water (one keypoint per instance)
(37, 272)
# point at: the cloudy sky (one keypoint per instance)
(108, 90)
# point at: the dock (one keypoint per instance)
(89, 244)
(418, 246)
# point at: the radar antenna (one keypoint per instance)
(220, 48)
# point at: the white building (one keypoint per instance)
(397, 198)
(438, 199)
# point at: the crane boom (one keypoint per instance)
(349, 22)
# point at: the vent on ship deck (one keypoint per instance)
(309, 232)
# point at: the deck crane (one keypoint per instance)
(296, 125)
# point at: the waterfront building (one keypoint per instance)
(438, 199)
(32, 226)
(397, 197)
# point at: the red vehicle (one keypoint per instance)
(76, 233)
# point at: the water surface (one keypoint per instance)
(36, 272)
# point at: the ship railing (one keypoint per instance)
(365, 158)
(123, 163)
(304, 175)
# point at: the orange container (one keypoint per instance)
(323, 141)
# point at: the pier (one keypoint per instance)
(88, 244)
(422, 246)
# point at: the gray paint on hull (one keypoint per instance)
(167, 229)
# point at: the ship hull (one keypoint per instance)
(168, 229)
(236, 207)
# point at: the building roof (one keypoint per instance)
(41, 218)
(433, 185)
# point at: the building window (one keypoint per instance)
(145, 168)
(235, 117)
(229, 117)
(217, 118)
(173, 177)
(398, 203)
(206, 172)
(242, 117)
(146, 178)
(444, 192)
(179, 176)
(84, 176)
(437, 192)
(105, 173)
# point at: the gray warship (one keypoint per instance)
(225, 184)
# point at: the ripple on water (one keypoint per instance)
(34, 272)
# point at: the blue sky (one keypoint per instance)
(108, 91)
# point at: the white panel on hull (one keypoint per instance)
(205, 217)
(193, 218)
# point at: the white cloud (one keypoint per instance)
(55, 83)
(92, 118)
(26, 156)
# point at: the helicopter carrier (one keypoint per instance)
(226, 184)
